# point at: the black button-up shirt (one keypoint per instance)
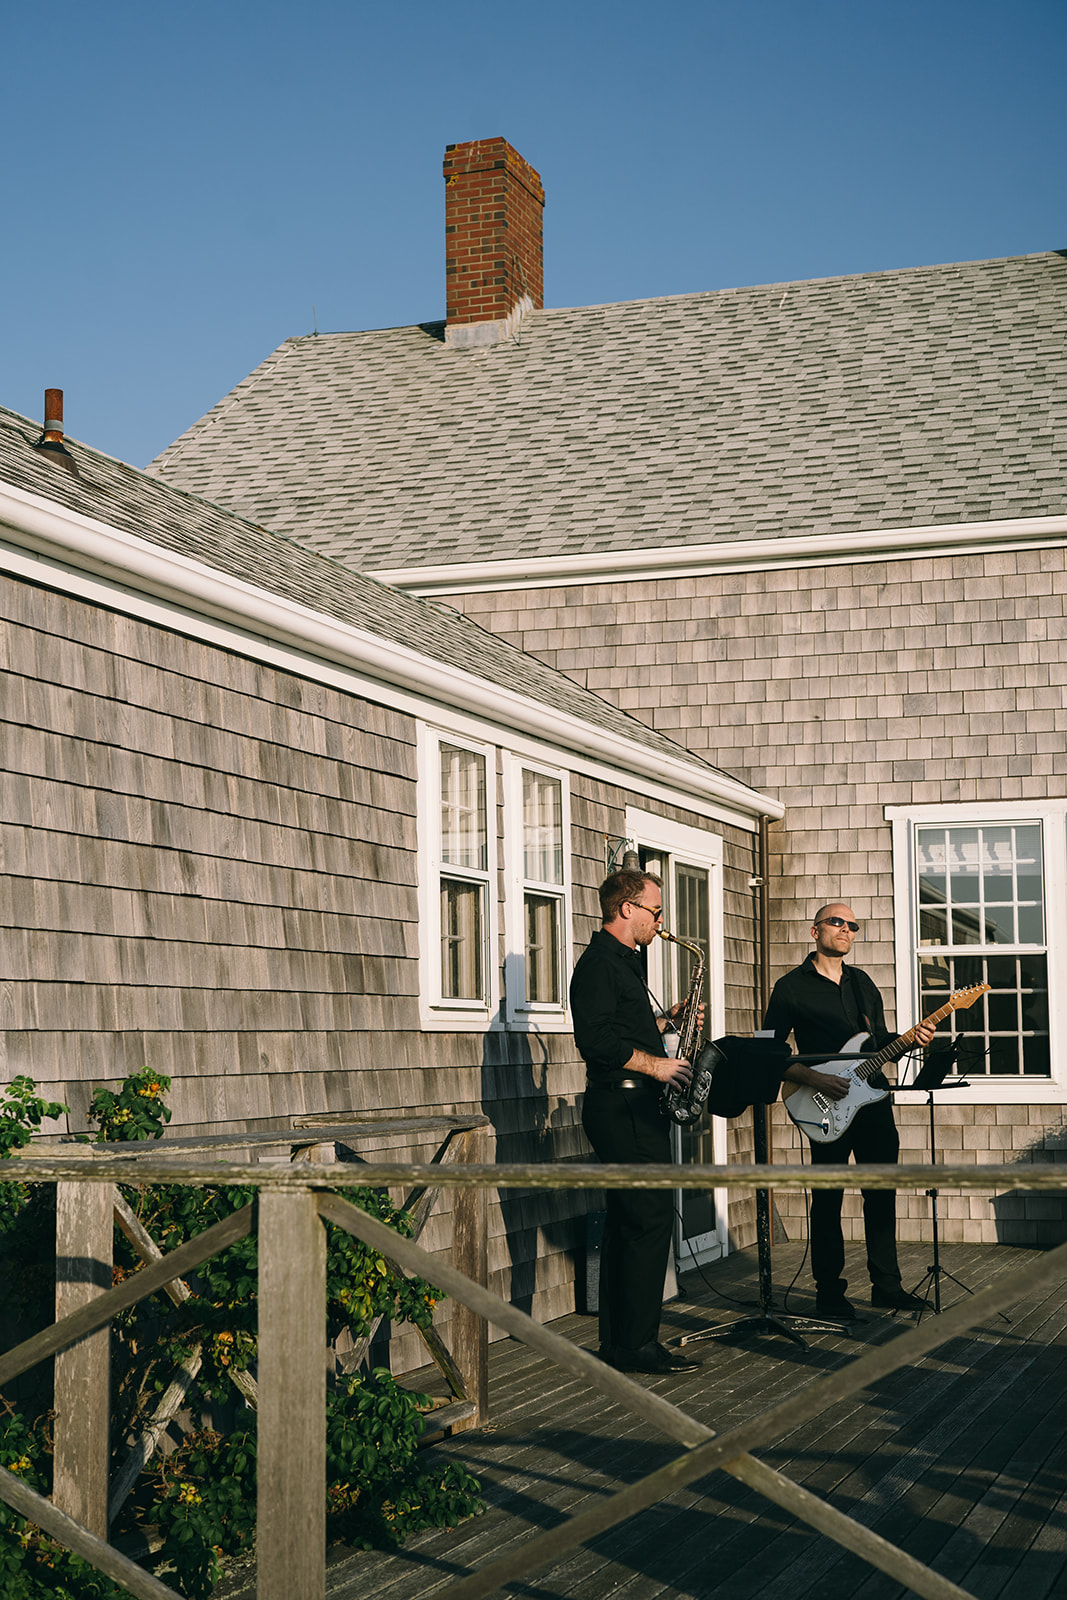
(612, 1012)
(824, 1015)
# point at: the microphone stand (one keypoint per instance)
(930, 1078)
(768, 1320)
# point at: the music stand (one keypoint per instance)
(767, 1320)
(930, 1077)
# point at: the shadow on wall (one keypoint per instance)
(1036, 1218)
(538, 1223)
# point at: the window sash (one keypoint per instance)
(542, 925)
(462, 939)
(464, 833)
(980, 908)
(542, 828)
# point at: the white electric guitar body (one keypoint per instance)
(824, 1119)
(821, 1118)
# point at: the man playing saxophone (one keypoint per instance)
(621, 1041)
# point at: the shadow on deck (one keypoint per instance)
(960, 1460)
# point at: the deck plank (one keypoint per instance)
(961, 1460)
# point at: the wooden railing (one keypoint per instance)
(292, 1203)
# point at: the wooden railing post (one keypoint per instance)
(84, 1254)
(291, 1502)
(470, 1246)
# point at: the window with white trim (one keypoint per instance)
(457, 860)
(537, 828)
(464, 887)
(465, 905)
(981, 919)
(974, 886)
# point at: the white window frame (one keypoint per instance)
(1051, 815)
(696, 848)
(435, 1009)
(521, 1014)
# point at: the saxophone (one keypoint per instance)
(687, 1105)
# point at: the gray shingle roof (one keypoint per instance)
(122, 497)
(930, 395)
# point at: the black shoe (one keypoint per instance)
(652, 1358)
(836, 1307)
(897, 1299)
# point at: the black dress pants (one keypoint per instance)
(628, 1125)
(873, 1137)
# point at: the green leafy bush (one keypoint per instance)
(202, 1496)
(21, 1113)
(33, 1566)
(136, 1112)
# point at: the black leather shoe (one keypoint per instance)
(836, 1307)
(896, 1300)
(652, 1358)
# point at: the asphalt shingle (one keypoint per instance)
(122, 497)
(931, 395)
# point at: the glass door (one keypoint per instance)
(671, 969)
(699, 1235)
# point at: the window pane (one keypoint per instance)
(690, 922)
(997, 865)
(1003, 1012)
(1003, 1033)
(964, 928)
(542, 949)
(463, 829)
(542, 828)
(462, 917)
(934, 983)
(1036, 1056)
(980, 885)
(1003, 1058)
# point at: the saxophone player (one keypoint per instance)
(621, 1041)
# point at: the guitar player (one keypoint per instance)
(824, 1002)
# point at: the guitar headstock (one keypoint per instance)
(966, 997)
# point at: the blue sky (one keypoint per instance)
(184, 183)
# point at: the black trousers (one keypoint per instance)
(872, 1136)
(628, 1125)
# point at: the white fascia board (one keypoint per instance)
(140, 567)
(727, 556)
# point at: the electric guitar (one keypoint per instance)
(824, 1119)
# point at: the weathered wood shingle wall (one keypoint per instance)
(843, 689)
(209, 866)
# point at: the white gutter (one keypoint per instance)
(39, 524)
(728, 555)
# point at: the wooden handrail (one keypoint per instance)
(295, 1199)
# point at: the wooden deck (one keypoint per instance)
(962, 1460)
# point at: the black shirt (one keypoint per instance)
(612, 1012)
(824, 1015)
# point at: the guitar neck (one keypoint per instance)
(900, 1045)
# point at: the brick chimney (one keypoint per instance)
(493, 251)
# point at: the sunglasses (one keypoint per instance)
(838, 922)
(656, 912)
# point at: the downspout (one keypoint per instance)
(764, 919)
(761, 933)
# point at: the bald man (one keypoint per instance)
(824, 1002)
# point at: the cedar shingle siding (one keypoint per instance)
(784, 429)
(843, 690)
